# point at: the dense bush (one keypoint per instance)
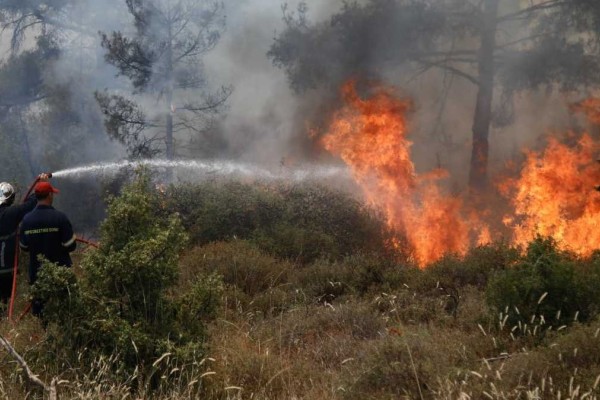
(255, 280)
(475, 267)
(546, 282)
(240, 263)
(124, 302)
(266, 303)
(358, 274)
(302, 222)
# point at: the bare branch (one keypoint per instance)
(31, 377)
(527, 11)
(442, 65)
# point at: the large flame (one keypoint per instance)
(590, 107)
(554, 196)
(370, 136)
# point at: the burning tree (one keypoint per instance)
(370, 135)
(163, 58)
(493, 46)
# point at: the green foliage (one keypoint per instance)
(358, 274)
(240, 264)
(370, 327)
(221, 211)
(302, 223)
(59, 291)
(545, 282)
(126, 301)
(137, 262)
(199, 303)
(475, 267)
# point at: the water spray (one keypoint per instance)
(210, 168)
(207, 168)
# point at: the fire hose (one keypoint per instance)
(16, 261)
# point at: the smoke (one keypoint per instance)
(266, 122)
(376, 45)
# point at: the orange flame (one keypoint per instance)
(370, 137)
(590, 107)
(554, 196)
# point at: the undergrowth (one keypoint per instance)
(235, 312)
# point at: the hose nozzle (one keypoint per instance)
(44, 175)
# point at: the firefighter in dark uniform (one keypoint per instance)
(10, 218)
(46, 232)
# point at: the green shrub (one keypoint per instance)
(127, 301)
(302, 222)
(239, 263)
(545, 282)
(137, 262)
(216, 210)
(475, 267)
(587, 279)
(359, 274)
(199, 303)
(57, 288)
(296, 243)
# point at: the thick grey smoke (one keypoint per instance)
(265, 121)
(265, 117)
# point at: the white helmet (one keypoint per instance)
(7, 192)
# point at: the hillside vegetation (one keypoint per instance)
(227, 290)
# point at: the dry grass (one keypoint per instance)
(277, 337)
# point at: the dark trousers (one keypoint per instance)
(6, 281)
(5, 291)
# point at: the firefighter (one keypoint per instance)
(46, 232)
(10, 218)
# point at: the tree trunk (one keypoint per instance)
(485, 96)
(169, 134)
(26, 146)
(169, 97)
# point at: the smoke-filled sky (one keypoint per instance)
(263, 116)
(263, 112)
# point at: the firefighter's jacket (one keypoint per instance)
(10, 218)
(47, 232)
